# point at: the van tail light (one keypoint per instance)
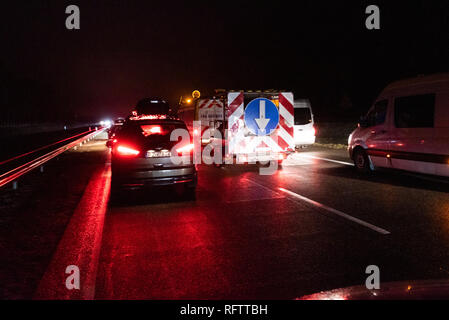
(313, 131)
(186, 149)
(127, 151)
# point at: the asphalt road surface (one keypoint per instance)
(313, 225)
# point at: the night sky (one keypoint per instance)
(126, 50)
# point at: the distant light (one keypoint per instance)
(196, 94)
(189, 100)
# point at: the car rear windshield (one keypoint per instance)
(302, 116)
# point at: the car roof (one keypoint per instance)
(427, 80)
(302, 103)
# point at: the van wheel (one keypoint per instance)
(361, 161)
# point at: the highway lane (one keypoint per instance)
(314, 225)
(245, 237)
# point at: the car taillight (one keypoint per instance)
(313, 131)
(186, 149)
(127, 151)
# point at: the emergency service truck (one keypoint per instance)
(255, 126)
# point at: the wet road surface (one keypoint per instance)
(313, 225)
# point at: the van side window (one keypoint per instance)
(415, 111)
(378, 114)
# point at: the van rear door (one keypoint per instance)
(304, 131)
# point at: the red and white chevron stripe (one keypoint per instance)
(235, 121)
(286, 121)
(209, 110)
(209, 103)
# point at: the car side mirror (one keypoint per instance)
(363, 122)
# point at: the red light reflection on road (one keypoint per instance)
(160, 253)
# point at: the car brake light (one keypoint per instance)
(126, 151)
(148, 117)
(185, 149)
(313, 131)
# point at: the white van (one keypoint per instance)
(407, 128)
(304, 130)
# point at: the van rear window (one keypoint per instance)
(415, 111)
(302, 116)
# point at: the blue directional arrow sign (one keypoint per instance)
(261, 116)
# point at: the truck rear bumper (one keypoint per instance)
(254, 158)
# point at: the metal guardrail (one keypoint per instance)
(16, 173)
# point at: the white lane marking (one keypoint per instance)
(337, 212)
(262, 186)
(326, 159)
(297, 162)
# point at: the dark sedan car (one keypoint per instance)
(142, 155)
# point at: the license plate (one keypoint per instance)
(158, 154)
